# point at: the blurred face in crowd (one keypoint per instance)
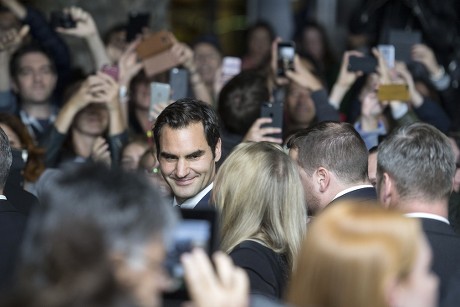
(93, 120)
(300, 107)
(421, 286)
(131, 155)
(143, 275)
(312, 42)
(186, 160)
(151, 168)
(208, 60)
(15, 142)
(36, 79)
(116, 45)
(259, 43)
(142, 96)
(8, 21)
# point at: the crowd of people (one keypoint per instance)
(354, 200)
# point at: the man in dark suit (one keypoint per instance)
(415, 171)
(12, 222)
(188, 146)
(333, 164)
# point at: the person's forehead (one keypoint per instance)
(191, 134)
(34, 59)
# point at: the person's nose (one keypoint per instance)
(182, 168)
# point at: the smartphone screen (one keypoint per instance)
(111, 70)
(136, 22)
(178, 79)
(366, 64)
(286, 53)
(231, 66)
(275, 112)
(388, 53)
(159, 93)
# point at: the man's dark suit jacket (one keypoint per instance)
(204, 202)
(364, 194)
(445, 245)
(12, 226)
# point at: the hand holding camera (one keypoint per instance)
(74, 21)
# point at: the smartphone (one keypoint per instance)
(111, 70)
(159, 93)
(198, 228)
(388, 92)
(159, 63)
(388, 53)
(231, 66)
(366, 64)
(178, 80)
(155, 43)
(286, 53)
(136, 22)
(275, 112)
(403, 42)
(61, 19)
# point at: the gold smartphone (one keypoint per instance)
(387, 92)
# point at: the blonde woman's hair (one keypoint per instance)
(260, 197)
(350, 254)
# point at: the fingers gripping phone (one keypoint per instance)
(159, 93)
(286, 53)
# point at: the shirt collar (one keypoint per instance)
(428, 216)
(192, 202)
(356, 187)
(3, 197)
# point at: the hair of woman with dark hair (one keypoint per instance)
(35, 165)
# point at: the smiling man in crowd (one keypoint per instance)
(188, 145)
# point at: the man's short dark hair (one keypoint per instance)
(184, 112)
(6, 158)
(334, 146)
(24, 50)
(240, 100)
(420, 159)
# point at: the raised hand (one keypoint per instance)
(85, 25)
(228, 286)
(257, 133)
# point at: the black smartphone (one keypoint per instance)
(366, 64)
(136, 22)
(198, 228)
(275, 112)
(178, 79)
(61, 19)
(286, 53)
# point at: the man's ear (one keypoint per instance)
(218, 150)
(120, 268)
(386, 190)
(323, 178)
